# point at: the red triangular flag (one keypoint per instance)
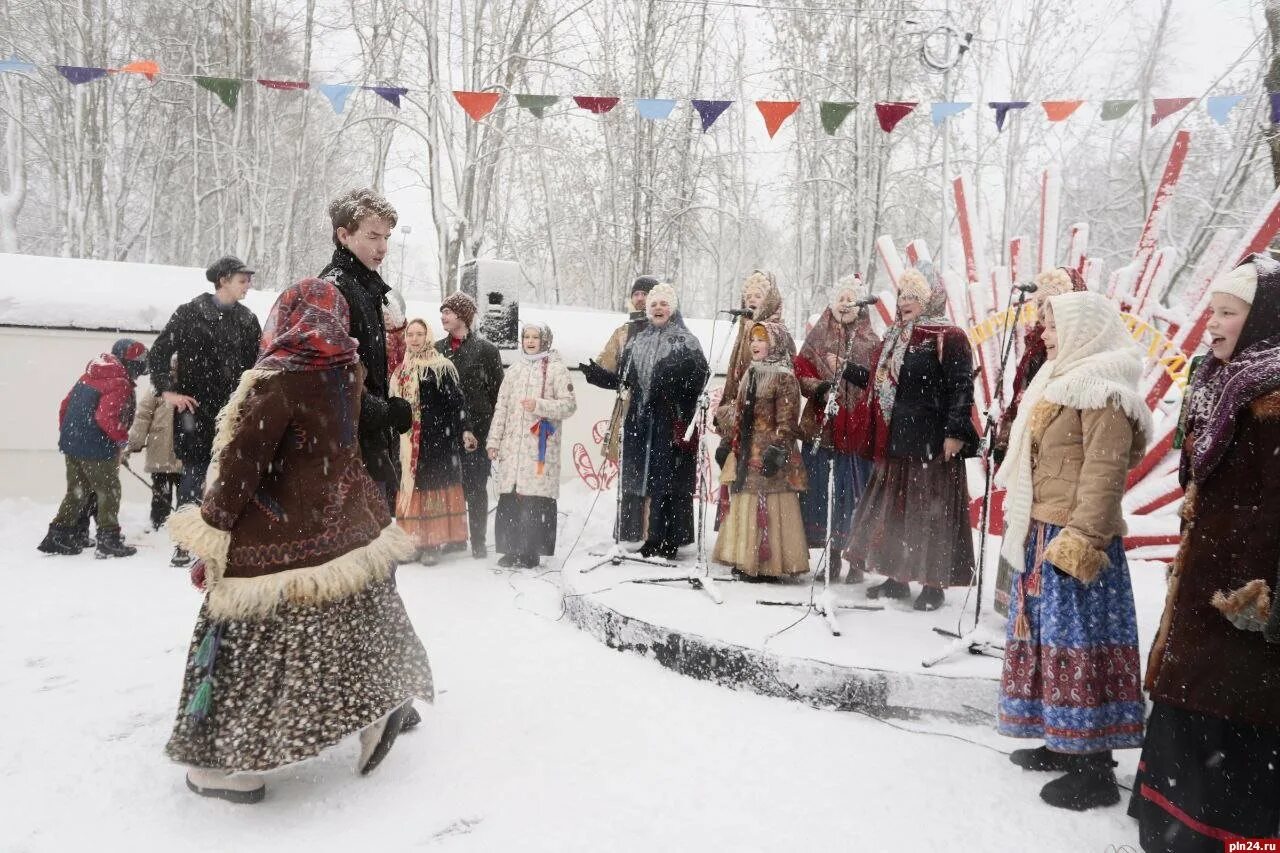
(1060, 110)
(1165, 107)
(477, 104)
(891, 112)
(146, 67)
(599, 106)
(775, 113)
(284, 85)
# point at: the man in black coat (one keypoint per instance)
(209, 342)
(362, 222)
(480, 373)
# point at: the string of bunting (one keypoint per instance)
(832, 114)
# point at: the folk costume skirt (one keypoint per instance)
(912, 523)
(763, 535)
(286, 687)
(433, 517)
(1074, 680)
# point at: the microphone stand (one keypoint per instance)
(826, 604)
(972, 641)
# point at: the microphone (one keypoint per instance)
(867, 300)
(1026, 288)
(738, 312)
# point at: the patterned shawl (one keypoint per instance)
(932, 320)
(308, 329)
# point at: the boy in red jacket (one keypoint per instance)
(93, 427)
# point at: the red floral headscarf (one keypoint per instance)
(308, 329)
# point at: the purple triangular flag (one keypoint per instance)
(1275, 106)
(77, 75)
(710, 111)
(391, 94)
(1002, 109)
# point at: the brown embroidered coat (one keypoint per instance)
(774, 422)
(1199, 660)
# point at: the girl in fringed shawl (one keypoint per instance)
(302, 638)
(843, 331)
(760, 296)
(1051, 282)
(1071, 652)
(763, 534)
(1210, 767)
(524, 439)
(666, 371)
(915, 424)
(430, 505)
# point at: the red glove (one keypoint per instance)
(197, 575)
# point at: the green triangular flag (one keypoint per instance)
(1112, 110)
(536, 104)
(834, 113)
(227, 90)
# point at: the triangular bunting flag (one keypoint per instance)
(1003, 108)
(146, 67)
(77, 75)
(891, 112)
(654, 109)
(285, 85)
(227, 90)
(537, 104)
(477, 104)
(775, 113)
(940, 112)
(390, 94)
(337, 93)
(599, 106)
(1220, 106)
(1060, 110)
(1162, 108)
(16, 66)
(709, 111)
(1275, 106)
(834, 113)
(1112, 110)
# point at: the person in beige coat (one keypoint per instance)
(524, 439)
(152, 430)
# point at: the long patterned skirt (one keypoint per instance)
(433, 516)
(289, 686)
(852, 473)
(1075, 681)
(912, 523)
(763, 535)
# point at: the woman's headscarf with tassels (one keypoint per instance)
(307, 329)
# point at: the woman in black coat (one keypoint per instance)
(666, 371)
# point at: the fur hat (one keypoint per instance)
(665, 292)
(645, 283)
(462, 305)
(1241, 282)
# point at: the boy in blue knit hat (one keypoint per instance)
(93, 432)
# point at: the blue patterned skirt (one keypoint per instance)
(1076, 681)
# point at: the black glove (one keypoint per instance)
(771, 460)
(820, 393)
(722, 454)
(399, 415)
(598, 376)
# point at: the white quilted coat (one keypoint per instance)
(510, 431)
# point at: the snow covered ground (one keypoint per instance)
(540, 739)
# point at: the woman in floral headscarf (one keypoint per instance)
(302, 639)
(524, 440)
(915, 424)
(763, 533)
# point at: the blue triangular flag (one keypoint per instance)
(337, 93)
(654, 109)
(943, 111)
(709, 111)
(1218, 106)
(16, 65)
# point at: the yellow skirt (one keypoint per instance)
(436, 517)
(739, 544)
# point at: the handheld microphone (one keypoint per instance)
(867, 300)
(738, 312)
(1026, 288)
